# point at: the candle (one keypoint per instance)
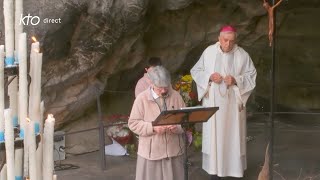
(41, 116)
(33, 56)
(35, 80)
(32, 151)
(54, 177)
(23, 102)
(9, 28)
(9, 143)
(18, 163)
(48, 148)
(1, 93)
(26, 149)
(9, 44)
(35, 88)
(23, 96)
(35, 98)
(35, 48)
(13, 100)
(18, 27)
(3, 173)
(22, 53)
(40, 146)
(23, 82)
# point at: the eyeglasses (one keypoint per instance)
(160, 88)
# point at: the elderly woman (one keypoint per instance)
(160, 150)
(145, 82)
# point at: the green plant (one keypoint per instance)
(197, 141)
(131, 150)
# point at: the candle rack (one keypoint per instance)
(21, 101)
(18, 144)
(11, 71)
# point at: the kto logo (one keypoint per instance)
(33, 20)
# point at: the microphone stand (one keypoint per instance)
(184, 124)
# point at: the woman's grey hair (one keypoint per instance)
(160, 76)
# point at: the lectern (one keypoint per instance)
(185, 116)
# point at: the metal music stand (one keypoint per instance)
(184, 117)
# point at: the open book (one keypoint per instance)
(193, 107)
(195, 114)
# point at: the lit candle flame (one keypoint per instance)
(28, 120)
(34, 39)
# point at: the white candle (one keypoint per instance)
(23, 81)
(36, 89)
(18, 27)
(48, 148)
(33, 66)
(40, 145)
(3, 173)
(41, 116)
(1, 91)
(35, 46)
(9, 27)
(23, 96)
(22, 53)
(39, 154)
(54, 177)
(35, 100)
(26, 149)
(9, 143)
(18, 163)
(32, 151)
(34, 49)
(13, 98)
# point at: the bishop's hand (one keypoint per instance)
(229, 80)
(216, 78)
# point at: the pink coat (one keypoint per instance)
(154, 146)
(142, 84)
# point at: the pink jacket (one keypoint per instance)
(142, 84)
(154, 146)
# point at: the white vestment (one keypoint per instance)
(224, 135)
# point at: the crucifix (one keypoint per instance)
(267, 170)
(270, 10)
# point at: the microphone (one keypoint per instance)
(164, 96)
(164, 104)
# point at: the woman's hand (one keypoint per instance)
(159, 129)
